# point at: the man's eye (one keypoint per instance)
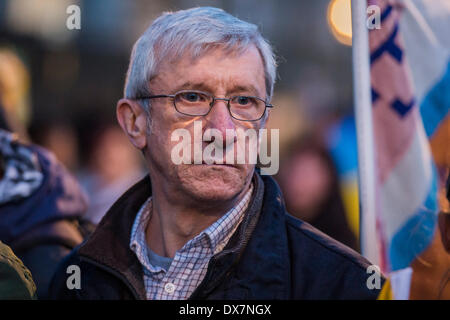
(191, 96)
(243, 100)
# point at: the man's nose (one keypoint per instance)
(219, 118)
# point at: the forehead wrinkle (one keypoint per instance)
(227, 83)
(230, 87)
(247, 89)
(191, 85)
(210, 85)
(212, 81)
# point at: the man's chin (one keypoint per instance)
(212, 183)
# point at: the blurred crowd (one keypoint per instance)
(49, 202)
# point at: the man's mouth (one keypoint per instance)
(215, 163)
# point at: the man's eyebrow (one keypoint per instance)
(194, 86)
(201, 86)
(239, 89)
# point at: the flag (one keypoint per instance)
(410, 87)
(426, 25)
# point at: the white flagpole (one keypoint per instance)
(364, 128)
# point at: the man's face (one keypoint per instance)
(223, 75)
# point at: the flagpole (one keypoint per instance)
(364, 127)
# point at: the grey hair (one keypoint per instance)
(194, 30)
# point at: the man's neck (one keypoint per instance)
(172, 225)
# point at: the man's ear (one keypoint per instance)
(133, 119)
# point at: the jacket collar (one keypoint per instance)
(108, 246)
(256, 259)
(266, 262)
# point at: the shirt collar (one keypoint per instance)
(138, 242)
(222, 230)
(215, 236)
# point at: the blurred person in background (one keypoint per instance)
(60, 137)
(429, 275)
(444, 228)
(41, 208)
(444, 219)
(310, 185)
(112, 166)
(16, 282)
(14, 92)
(41, 203)
(431, 270)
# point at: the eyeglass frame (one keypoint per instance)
(211, 105)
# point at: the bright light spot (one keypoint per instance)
(339, 18)
(45, 19)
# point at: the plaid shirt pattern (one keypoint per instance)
(189, 266)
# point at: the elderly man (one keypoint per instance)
(204, 229)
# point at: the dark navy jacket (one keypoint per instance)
(271, 255)
(44, 227)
